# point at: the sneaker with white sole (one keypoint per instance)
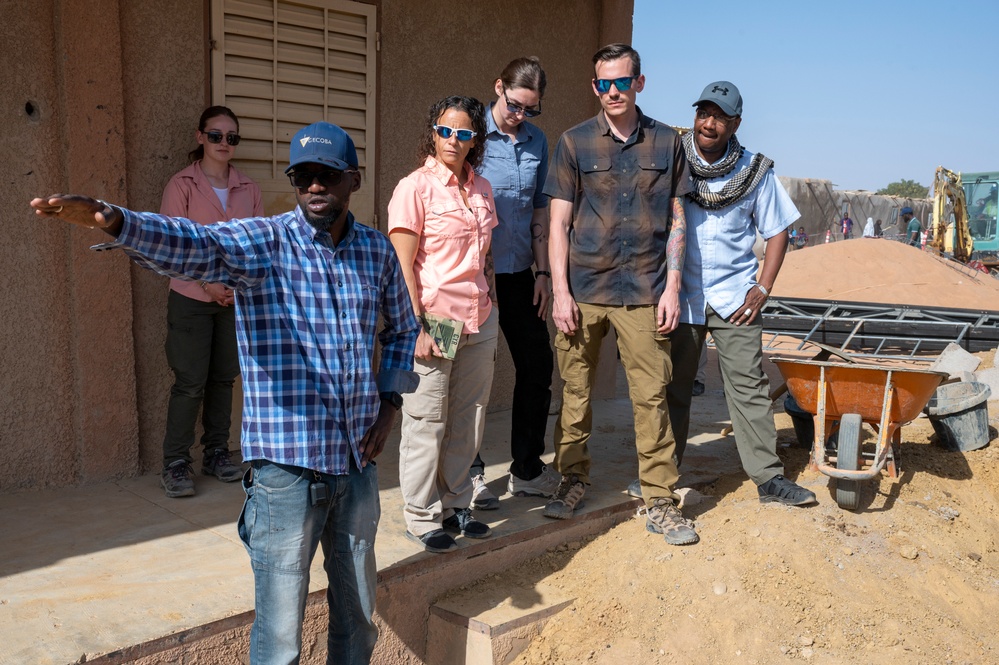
(482, 498)
(568, 496)
(544, 485)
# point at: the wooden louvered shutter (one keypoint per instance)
(283, 64)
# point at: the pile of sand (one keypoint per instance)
(883, 271)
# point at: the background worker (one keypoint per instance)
(736, 195)
(846, 226)
(516, 165)
(913, 229)
(201, 319)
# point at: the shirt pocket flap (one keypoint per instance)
(654, 162)
(594, 164)
(480, 201)
(441, 208)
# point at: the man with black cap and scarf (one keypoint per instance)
(736, 195)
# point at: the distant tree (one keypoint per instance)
(906, 188)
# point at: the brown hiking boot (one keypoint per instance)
(568, 496)
(665, 518)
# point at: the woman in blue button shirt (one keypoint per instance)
(516, 164)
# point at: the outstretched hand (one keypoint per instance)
(76, 209)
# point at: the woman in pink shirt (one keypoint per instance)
(441, 218)
(201, 333)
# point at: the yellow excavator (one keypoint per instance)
(951, 234)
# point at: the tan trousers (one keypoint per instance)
(645, 355)
(442, 426)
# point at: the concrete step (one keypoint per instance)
(491, 623)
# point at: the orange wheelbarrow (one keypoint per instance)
(885, 395)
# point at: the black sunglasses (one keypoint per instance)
(216, 137)
(327, 178)
(517, 108)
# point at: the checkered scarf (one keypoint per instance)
(735, 189)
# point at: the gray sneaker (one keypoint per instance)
(482, 498)
(568, 496)
(178, 479)
(218, 463)
(544, 485)
(665, 518)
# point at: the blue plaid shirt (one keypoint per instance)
(306, 316)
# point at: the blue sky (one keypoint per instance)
(860, 93)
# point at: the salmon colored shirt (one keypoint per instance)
(454, 240)
(189, 194)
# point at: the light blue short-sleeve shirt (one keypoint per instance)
(517, 171)
(720, 267)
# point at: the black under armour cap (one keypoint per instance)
(725, 95)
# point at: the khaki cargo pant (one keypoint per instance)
(645, 355)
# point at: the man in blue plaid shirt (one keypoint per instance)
(310, 285)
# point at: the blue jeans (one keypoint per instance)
(281, 530)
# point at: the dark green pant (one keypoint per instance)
(747, 390)
(201, 351)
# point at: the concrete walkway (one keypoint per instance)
(90, 570)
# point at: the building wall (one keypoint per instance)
(104, 100)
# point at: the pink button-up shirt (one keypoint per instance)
(454, 240)
(189, 194)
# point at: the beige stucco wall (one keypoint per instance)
(115, 89)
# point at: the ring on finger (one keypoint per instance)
(57, 210)
(748, 312)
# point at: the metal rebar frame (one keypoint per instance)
(876, 329)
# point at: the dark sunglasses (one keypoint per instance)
(517, 108)
(445, 133)
(216, 137)
(622, 84)
(327, 178)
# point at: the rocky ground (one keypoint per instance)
(910, 577)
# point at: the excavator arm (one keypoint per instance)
(947, 188)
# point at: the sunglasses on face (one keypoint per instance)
(517, 108)
(216, 137)
(622, 84)
(720, 118)
(446, 132)
(327, 178)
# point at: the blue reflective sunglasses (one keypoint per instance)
(622, 84)
(445, 133)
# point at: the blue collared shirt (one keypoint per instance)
(306, 317)
(517, 172)
(720, 267)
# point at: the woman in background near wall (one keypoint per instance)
(201, 333)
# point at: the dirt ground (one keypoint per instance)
(911, 577)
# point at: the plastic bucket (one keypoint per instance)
(804, 425)
(959, 413)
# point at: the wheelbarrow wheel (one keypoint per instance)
(848, 459)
